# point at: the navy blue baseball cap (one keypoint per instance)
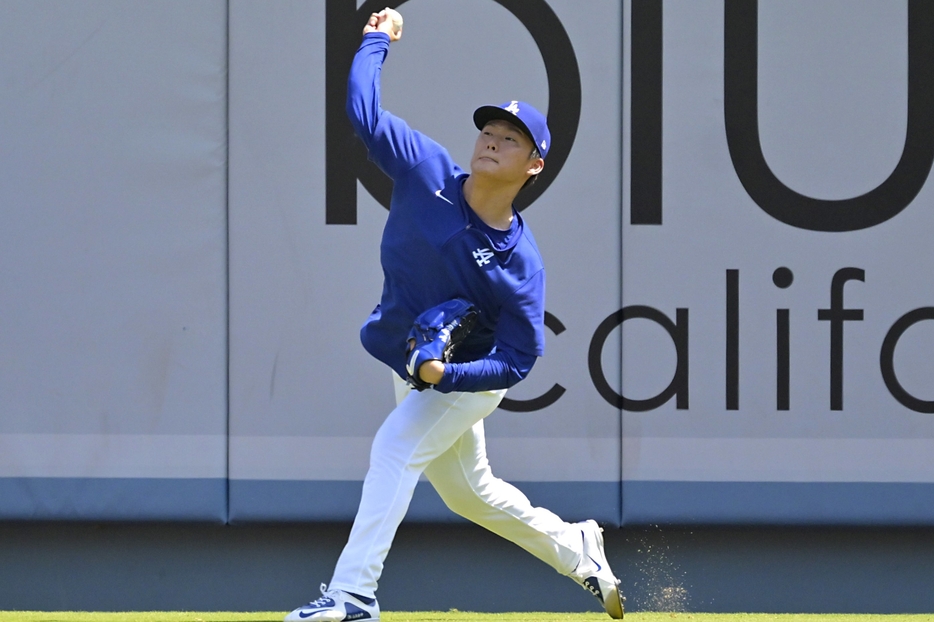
(522, 115)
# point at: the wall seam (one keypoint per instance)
(622, 200)
(227, 253)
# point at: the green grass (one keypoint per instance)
(453, 616)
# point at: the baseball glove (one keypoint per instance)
(435, 335)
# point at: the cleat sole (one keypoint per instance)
(613, 603)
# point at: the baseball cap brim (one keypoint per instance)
(485, 114)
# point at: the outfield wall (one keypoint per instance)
(189, 567)
(734, 217)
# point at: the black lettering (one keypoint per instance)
(732, 339)
(677, 330)
(782, 277)
(551, 395)
(645, 188)
(740, 108)
(837, 315)
(782, 360)
(887, 360)
(345, 158)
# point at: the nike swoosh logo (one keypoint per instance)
(599, 567)
(442, 197)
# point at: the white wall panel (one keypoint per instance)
(832, 88)
(112, 231)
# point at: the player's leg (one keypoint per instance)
(464, 480)
(422, 427)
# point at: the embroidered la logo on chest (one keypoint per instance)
(483, 256)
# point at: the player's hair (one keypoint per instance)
(531, 180)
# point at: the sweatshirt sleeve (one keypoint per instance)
(520, 340)
(500, 370)
(391, 143)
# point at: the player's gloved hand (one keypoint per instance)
(435, 335)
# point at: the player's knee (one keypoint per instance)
(466, 505)
(462, 497)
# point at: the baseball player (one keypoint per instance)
(454, 252)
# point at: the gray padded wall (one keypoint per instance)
(792, 231)
(112, 246)
(736, 242)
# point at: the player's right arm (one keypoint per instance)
(391, 143)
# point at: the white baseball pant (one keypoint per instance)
(441, 434)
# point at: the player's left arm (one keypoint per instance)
(500, 370)
(519, 339)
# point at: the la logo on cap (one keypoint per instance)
(513, 108)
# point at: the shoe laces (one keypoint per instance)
(591, 585)
(326, 595)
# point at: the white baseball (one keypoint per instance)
(396, 18)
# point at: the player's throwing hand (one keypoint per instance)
(388, 21)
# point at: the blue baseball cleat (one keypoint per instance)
(336, 606)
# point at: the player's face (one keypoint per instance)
(503, 152)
